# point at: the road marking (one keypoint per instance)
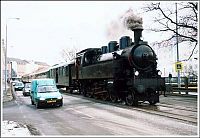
(87, 116)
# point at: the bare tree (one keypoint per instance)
(69, 54)
(166, 22)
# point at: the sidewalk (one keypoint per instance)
(7, 96)
(12, 128)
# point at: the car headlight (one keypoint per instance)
(136, 73)
(60, 97)
(42, 98)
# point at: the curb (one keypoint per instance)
(9, 95)
(12, 92)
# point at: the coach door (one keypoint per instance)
(56, 75)
(77, 66)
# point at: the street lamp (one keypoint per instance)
(10, 70)
(179, 80)
(6, 51)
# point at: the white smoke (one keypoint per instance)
(122, 26)
(116, 30)
(131, 21)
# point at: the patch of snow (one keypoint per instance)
(12, 128)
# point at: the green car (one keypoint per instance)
(45, 93)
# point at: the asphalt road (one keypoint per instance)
(80, 116)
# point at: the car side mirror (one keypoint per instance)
(14, 84)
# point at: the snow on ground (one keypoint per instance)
(12, 128)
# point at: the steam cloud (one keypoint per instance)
(116, 30)
(131, 21)
(123, 25)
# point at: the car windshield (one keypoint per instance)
(27, 85)
(46, 88)
(19, 84)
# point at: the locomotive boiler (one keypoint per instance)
(126, 71)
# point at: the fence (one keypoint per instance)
(188, 84)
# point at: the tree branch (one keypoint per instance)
(191, 52)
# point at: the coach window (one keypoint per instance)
(63, 73)
(61, 68)
(59, 71)
(66, 71)
(54, 72)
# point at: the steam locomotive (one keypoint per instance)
(118, 72)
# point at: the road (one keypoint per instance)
(82, 116)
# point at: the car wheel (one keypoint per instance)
(37, 105)
(61, 104)
(32, 101)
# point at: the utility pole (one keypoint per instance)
(6, 60)
(3, 45)
(179, 83)
(6, 52)
(11, 70)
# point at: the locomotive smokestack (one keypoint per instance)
(137, 35)
(134, 23)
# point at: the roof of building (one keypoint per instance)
(19, 61)
(41, 63)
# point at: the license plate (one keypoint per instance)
(53, 101)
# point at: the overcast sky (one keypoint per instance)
(47, 27)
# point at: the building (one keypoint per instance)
(21, 67)
(18, 67)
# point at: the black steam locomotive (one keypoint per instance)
(127, 72)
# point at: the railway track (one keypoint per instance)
(181, 113)
(178, 107)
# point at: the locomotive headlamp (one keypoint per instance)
(136, 73)
(159, 72)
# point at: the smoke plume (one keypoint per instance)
(131, 21)
(123, 24)
(116, 30)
